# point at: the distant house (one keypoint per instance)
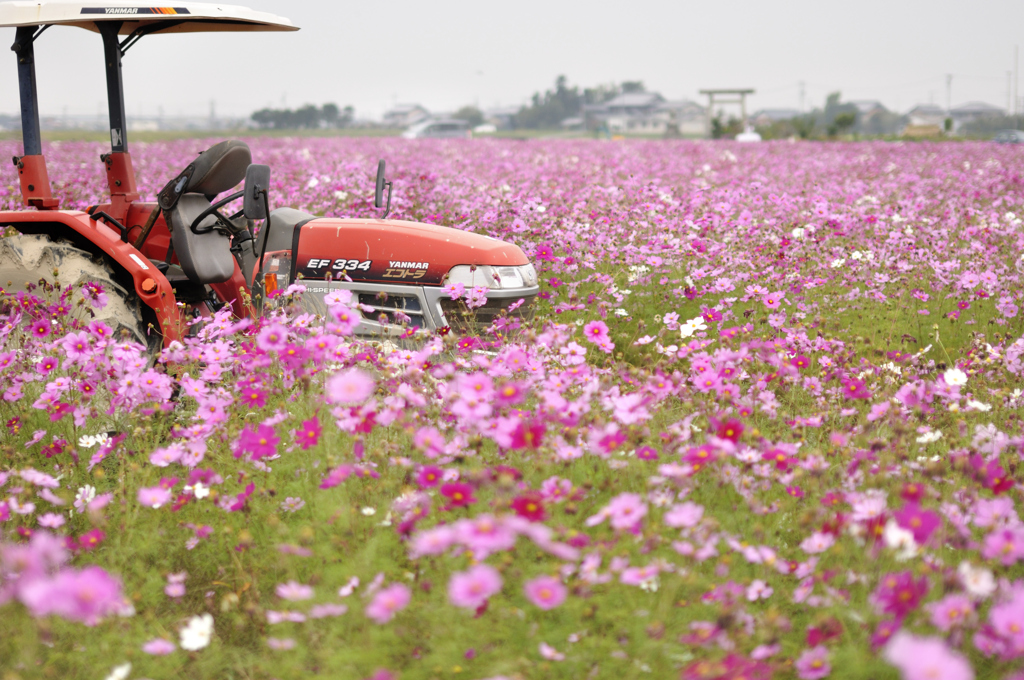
(647, 113)
(924, 115)
(924, 120)
(766, 117)
(688, 117)
(574, 123)
(867, 111)
(404, 115)
(974, 111)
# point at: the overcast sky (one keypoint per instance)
(447, 53)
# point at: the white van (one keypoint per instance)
(444, 128)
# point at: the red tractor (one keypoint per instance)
(163, 263)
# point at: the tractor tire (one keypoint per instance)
(27, 258)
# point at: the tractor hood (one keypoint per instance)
(395, 251)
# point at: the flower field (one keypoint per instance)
(765, 422)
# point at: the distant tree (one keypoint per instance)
(845, 120)
(306, 117)
(725, 129)
(470, 114)
(803, 126)
(329, 113)
(551, 108)
(633, 86)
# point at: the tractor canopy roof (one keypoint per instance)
(191, 17)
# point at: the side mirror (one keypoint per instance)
(378, 198)
(255, 200)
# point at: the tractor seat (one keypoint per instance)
(206, 257)
(281, 228)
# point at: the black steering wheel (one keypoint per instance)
(223, 223)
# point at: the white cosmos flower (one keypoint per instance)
(954, 376)
(898, 538)
(120, 672)
(838, 262)
(84, 497)
(798, 232)
(978, 405)
(197, 633)
(87, 441)
(692, 326)
(200, 491)
(978, 581)
(929, 437)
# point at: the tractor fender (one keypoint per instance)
(79, 229)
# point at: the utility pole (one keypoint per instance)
(949, 92)
(802, 91)
(1016, 82)
(1009, 93)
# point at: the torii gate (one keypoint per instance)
(742, 101)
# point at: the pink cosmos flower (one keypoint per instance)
(51, 520)
(388, 602)
(596, 332)
(159, 647)
(293, 590)
(550, 653)
(472, 588)
(546, 592)
(1007, 621)
(687, 515)
(625, 510)
(86, 596)
(817, 542)
(1006, 545)
(759, 590)
(281, 644)
(484, 535)
(349, 387)
(773, 300)
(951, 611)
(428, 440)
(154, 496)
(920, 658)
(322, 611)
(813, 664)
(432, 541)
(272, 338)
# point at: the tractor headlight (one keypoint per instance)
(498, 277)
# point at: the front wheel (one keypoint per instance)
(25, 259)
